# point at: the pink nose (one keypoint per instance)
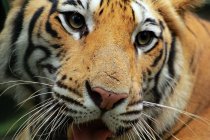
(105, 99)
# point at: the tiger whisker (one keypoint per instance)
(17, 85)
(20, 104)
(38, 128)
(50, 124)
(33, 96)
(10, 57)
(54, 122)
(58, 122)
(150, 104)
(63, 122)
(21, 119)
(193, 132)
(136, 131)
(37, 109)
(154, 121)
(41, 124)
(150, 129)
(129, 137)
(141, 131)
(133, 133)
(149, 135)
(23, 81)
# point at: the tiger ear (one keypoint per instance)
(184, 5)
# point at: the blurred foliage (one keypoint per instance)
(5, 4)
(10, 113)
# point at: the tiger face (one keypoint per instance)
(113, 55)
(106, 58)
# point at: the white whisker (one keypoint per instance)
(150, 104)
(43, 115)
(45, 78)
(156, 122)
(37, 109)
(20, 119)
(31, 97)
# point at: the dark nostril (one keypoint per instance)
(93, 95)
(96, 98)
(105, 100)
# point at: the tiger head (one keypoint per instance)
(108, 60)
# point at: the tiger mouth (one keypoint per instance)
(94, 130)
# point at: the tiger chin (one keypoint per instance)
(108, 69)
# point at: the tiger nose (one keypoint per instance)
(107, 100)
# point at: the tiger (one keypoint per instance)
(108, 69)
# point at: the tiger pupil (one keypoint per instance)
(76, 21)
(144, 38)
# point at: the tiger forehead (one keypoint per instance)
(121, 3)
(115, 10)
(87, 3)
(94, 6)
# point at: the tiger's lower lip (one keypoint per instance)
(95, 130)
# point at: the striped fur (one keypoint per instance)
(46, 56)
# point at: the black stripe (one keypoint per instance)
(137, 2)
(161, 24)
(133, 14)
(49, 28)
(101, 11)
(136, 112)
(70, 2)
(39, 35)
(151, 21)
(55, 46)
(52, 1)
(67, 99)
(51, 69)
(172, 55)
(101, 3)
(61, 85)
(80, 3)
(152, 47)
(155, 62)
(108, 1)
(162, 29)
(130, 121)
(31, 46)
(18, 25)
(156, 93)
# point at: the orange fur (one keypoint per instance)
(107, 59)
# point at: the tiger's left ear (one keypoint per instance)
(184, 5)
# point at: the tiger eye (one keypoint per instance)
(144, 38)
(76, 21)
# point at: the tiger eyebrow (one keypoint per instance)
(151, 21)
(73, 2)
(139, 4)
